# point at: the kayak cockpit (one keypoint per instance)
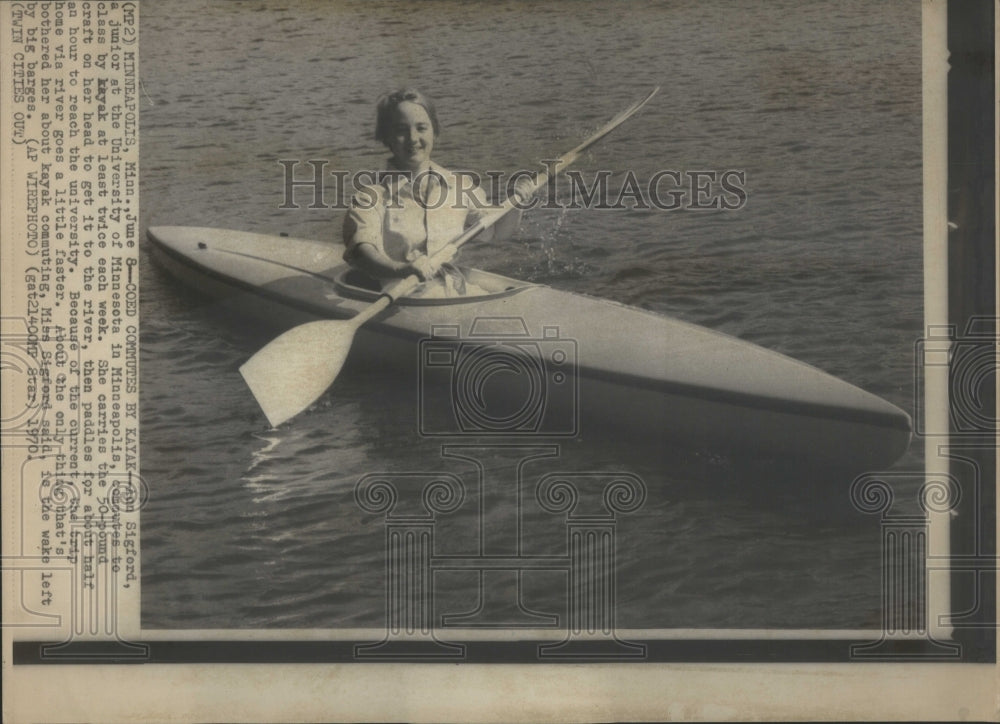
(355, 284)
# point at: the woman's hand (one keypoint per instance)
(423, 267)
(427, 268)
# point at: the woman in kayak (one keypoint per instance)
(416, 207)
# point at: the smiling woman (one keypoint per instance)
(407, 123)
(395, 226)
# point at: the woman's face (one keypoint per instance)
(412, 137)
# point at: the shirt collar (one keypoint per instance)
(398, 179)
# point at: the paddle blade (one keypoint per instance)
(294, 369)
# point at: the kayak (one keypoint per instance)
(527, 359)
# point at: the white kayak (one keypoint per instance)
(526, 359)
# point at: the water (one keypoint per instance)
(819, 104)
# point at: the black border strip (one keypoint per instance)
(972, 311)
(476, 652)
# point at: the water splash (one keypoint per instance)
(271, 439)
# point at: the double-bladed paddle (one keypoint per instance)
(294, 369)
